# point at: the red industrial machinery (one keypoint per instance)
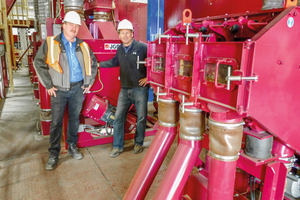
(229, 80)
(231, 83)
(99, 19)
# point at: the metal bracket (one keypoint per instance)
(292, 159)
(185, 103)
(238, 78)
(138, 62)
(162, 36)
(193, 35)
(165, 36)
(159, 94)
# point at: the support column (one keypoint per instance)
(23, 40)
(7, 44)
(14, 64)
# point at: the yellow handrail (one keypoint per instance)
(18, 16)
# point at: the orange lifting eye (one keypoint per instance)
(187, 17)
(289, 3)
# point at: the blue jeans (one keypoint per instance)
(139, 97)
(74, 99)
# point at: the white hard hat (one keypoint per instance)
(125, 24)
(72, 17)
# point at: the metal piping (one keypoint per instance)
(221, 178)
(225, 141)
(157, 152)
(74, 5)
(192, 127)
(224, 158)
(192, 124)
(166, 124)
(168, 111)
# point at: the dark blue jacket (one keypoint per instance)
(129, 74)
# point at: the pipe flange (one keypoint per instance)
(45, 120)
(101, 13)
(73, 7)
(192, 110)
(165, 124)
(190, 138)
(45, 110)
(228, 125)
(167, 100)
(224, 158)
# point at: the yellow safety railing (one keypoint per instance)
(4, 26)
(18, 16)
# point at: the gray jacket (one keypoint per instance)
(50, 77)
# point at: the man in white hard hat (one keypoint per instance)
(134, 89)
(66, 66)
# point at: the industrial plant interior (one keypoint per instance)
(223, 107)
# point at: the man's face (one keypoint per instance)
(126, 36)
(70, 30)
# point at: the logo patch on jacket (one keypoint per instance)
(134, 53)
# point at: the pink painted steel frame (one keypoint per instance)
(262, 31)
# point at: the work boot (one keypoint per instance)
(51, 164)
(115, 152)
(138, 149)
(72, 150)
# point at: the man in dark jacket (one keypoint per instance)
(66, 66)
(134, 88)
